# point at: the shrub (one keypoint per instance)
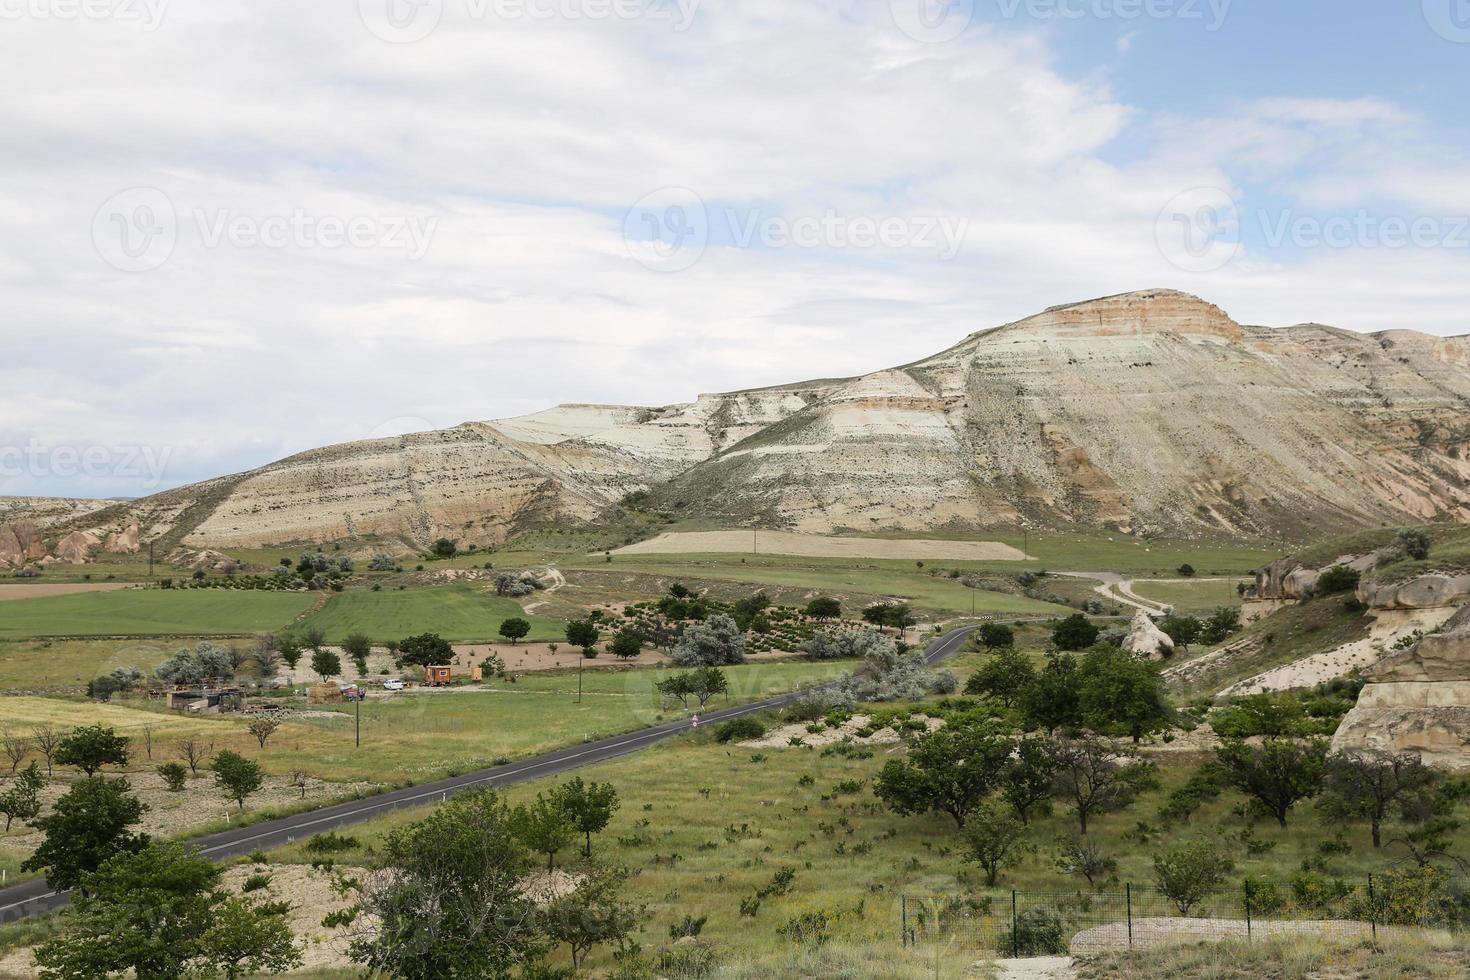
(1188, 873)
(1338, 578)
(1412, 896)
(332, 843)
(1261, 896)
(174, 774)
(1038, 932)
(739, 730)
(1415, 542)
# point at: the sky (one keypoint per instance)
(232, 232)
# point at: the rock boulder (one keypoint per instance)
(1146, 640)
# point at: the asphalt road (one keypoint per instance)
(34, 897)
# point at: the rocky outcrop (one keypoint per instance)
(1150, 412)
(76, 548)
(20, 544)
(1146, 640)
(1289, 579)
(1418, 700)
(1420, 592)
(124, 542)
(203, 561)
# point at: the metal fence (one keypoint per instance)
(1059, 922)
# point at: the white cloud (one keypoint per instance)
(526, 142)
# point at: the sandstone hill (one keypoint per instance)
(1149, 412)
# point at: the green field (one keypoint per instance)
(153, 612)
(41, 663)
(1190, 597)
(459, 613)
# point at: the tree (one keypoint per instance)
(991, 839)
(102, 688)
(291, 647)
(1076, 632)
(949, 770)
(715, 642)
(1120, 694)
(544, 827)
(326, 664)
(1365, 784)
(515, 628)
(263, 727)
(314, 638)
(702, 684)
(1338, 578)
(1276, 774)
(91, 747)
(823, 608)
(1186, 570)
(359, 648)
(159, 912)
(589, 806)
(266, 649)
(1093, 777)
(448, 901)
(1183, 630)
(16, 748)
(1415, 542)
(1190, 871)
(1028, 774)
(1003, 678)
(194, 751)
(1084, 856)
(425, 650)
(582, 633)
(1224, 622)
(1053, 701)
(174, 775)
(237, 776)
(22, 800)
(48, 741)
(878, 614)
(996, 636)
(627, 643)
(88, 825)
(444, 548)
(592, 914)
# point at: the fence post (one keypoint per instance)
(1247, 887)
(904, 904)
(1015, 929)
(1128, 896)
(1372, 908)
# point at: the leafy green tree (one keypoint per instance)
(1366, 784)
(1003, 678)
(88, 825)
(1076, 632)
(174, 776)
(1028, 775)
(425, 650)
(702, 685)
(949, 770)
(627, 643)
(444, 548)
(992, 838)
(1186, 570)
(1221, 625)
(22, 799)
(1187, 873)
(91, 747)
(449, 901)
(823, 608)
(159, 912)
(1183, 630)
(544, 827)
(314, 638)
(326, 664)
(102, 688)
(1415, 542)
(1084, 856)
(1269, 714)
(582, 633)
(1276, 774)
(1120, 694)
(515, 629)
(1053, 701)
(996, 636)
(1095, 776)
(359, 648)
(592, 914)
(589, 806)
(291, 648)
(237, 776)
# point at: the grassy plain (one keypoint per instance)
(460, 613)
(153, 612)
(1190, 597)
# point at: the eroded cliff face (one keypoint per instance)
(1147, 412)
(1418, 700)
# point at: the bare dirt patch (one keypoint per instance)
(817, 546)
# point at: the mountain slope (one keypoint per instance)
(1146, 412)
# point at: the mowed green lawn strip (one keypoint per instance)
(153, 612)
(835, 576)
(1190, 596)
(459, 613)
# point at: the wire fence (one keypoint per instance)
(1060, 922)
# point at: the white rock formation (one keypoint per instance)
(1146, 640)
